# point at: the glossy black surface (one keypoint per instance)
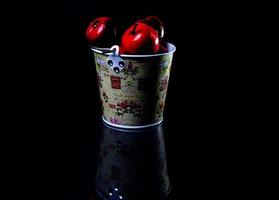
(132, 164)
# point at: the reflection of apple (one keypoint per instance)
(140, 39)
(156, 23)
(101, 32)
(162, 49)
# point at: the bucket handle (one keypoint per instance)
(113, 49)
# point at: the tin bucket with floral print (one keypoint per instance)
(133, 88)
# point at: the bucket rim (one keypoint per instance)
(128, 127)
(101, 51)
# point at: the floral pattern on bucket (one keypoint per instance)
(164, 84)
(136, 95)
(160, 109)
(130, 71)
(129, 107)
(105, 97)
(101, 64)
(99, 81)
(115, 120)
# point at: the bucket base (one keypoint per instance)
(132, 127)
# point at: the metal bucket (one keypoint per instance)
(133, 88)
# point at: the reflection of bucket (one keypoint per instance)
(126, 170)
(133, 87)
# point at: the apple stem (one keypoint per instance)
(95, 24)
(134, 29)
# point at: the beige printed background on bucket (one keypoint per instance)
(136, 95)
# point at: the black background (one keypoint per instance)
(199, 115)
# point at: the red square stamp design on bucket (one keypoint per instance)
(115, 82)
(112, 106)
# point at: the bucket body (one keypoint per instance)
(133, 96)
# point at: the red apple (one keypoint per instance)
(156, 23)
(140, 39)
(121, 51)
(101, 32)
